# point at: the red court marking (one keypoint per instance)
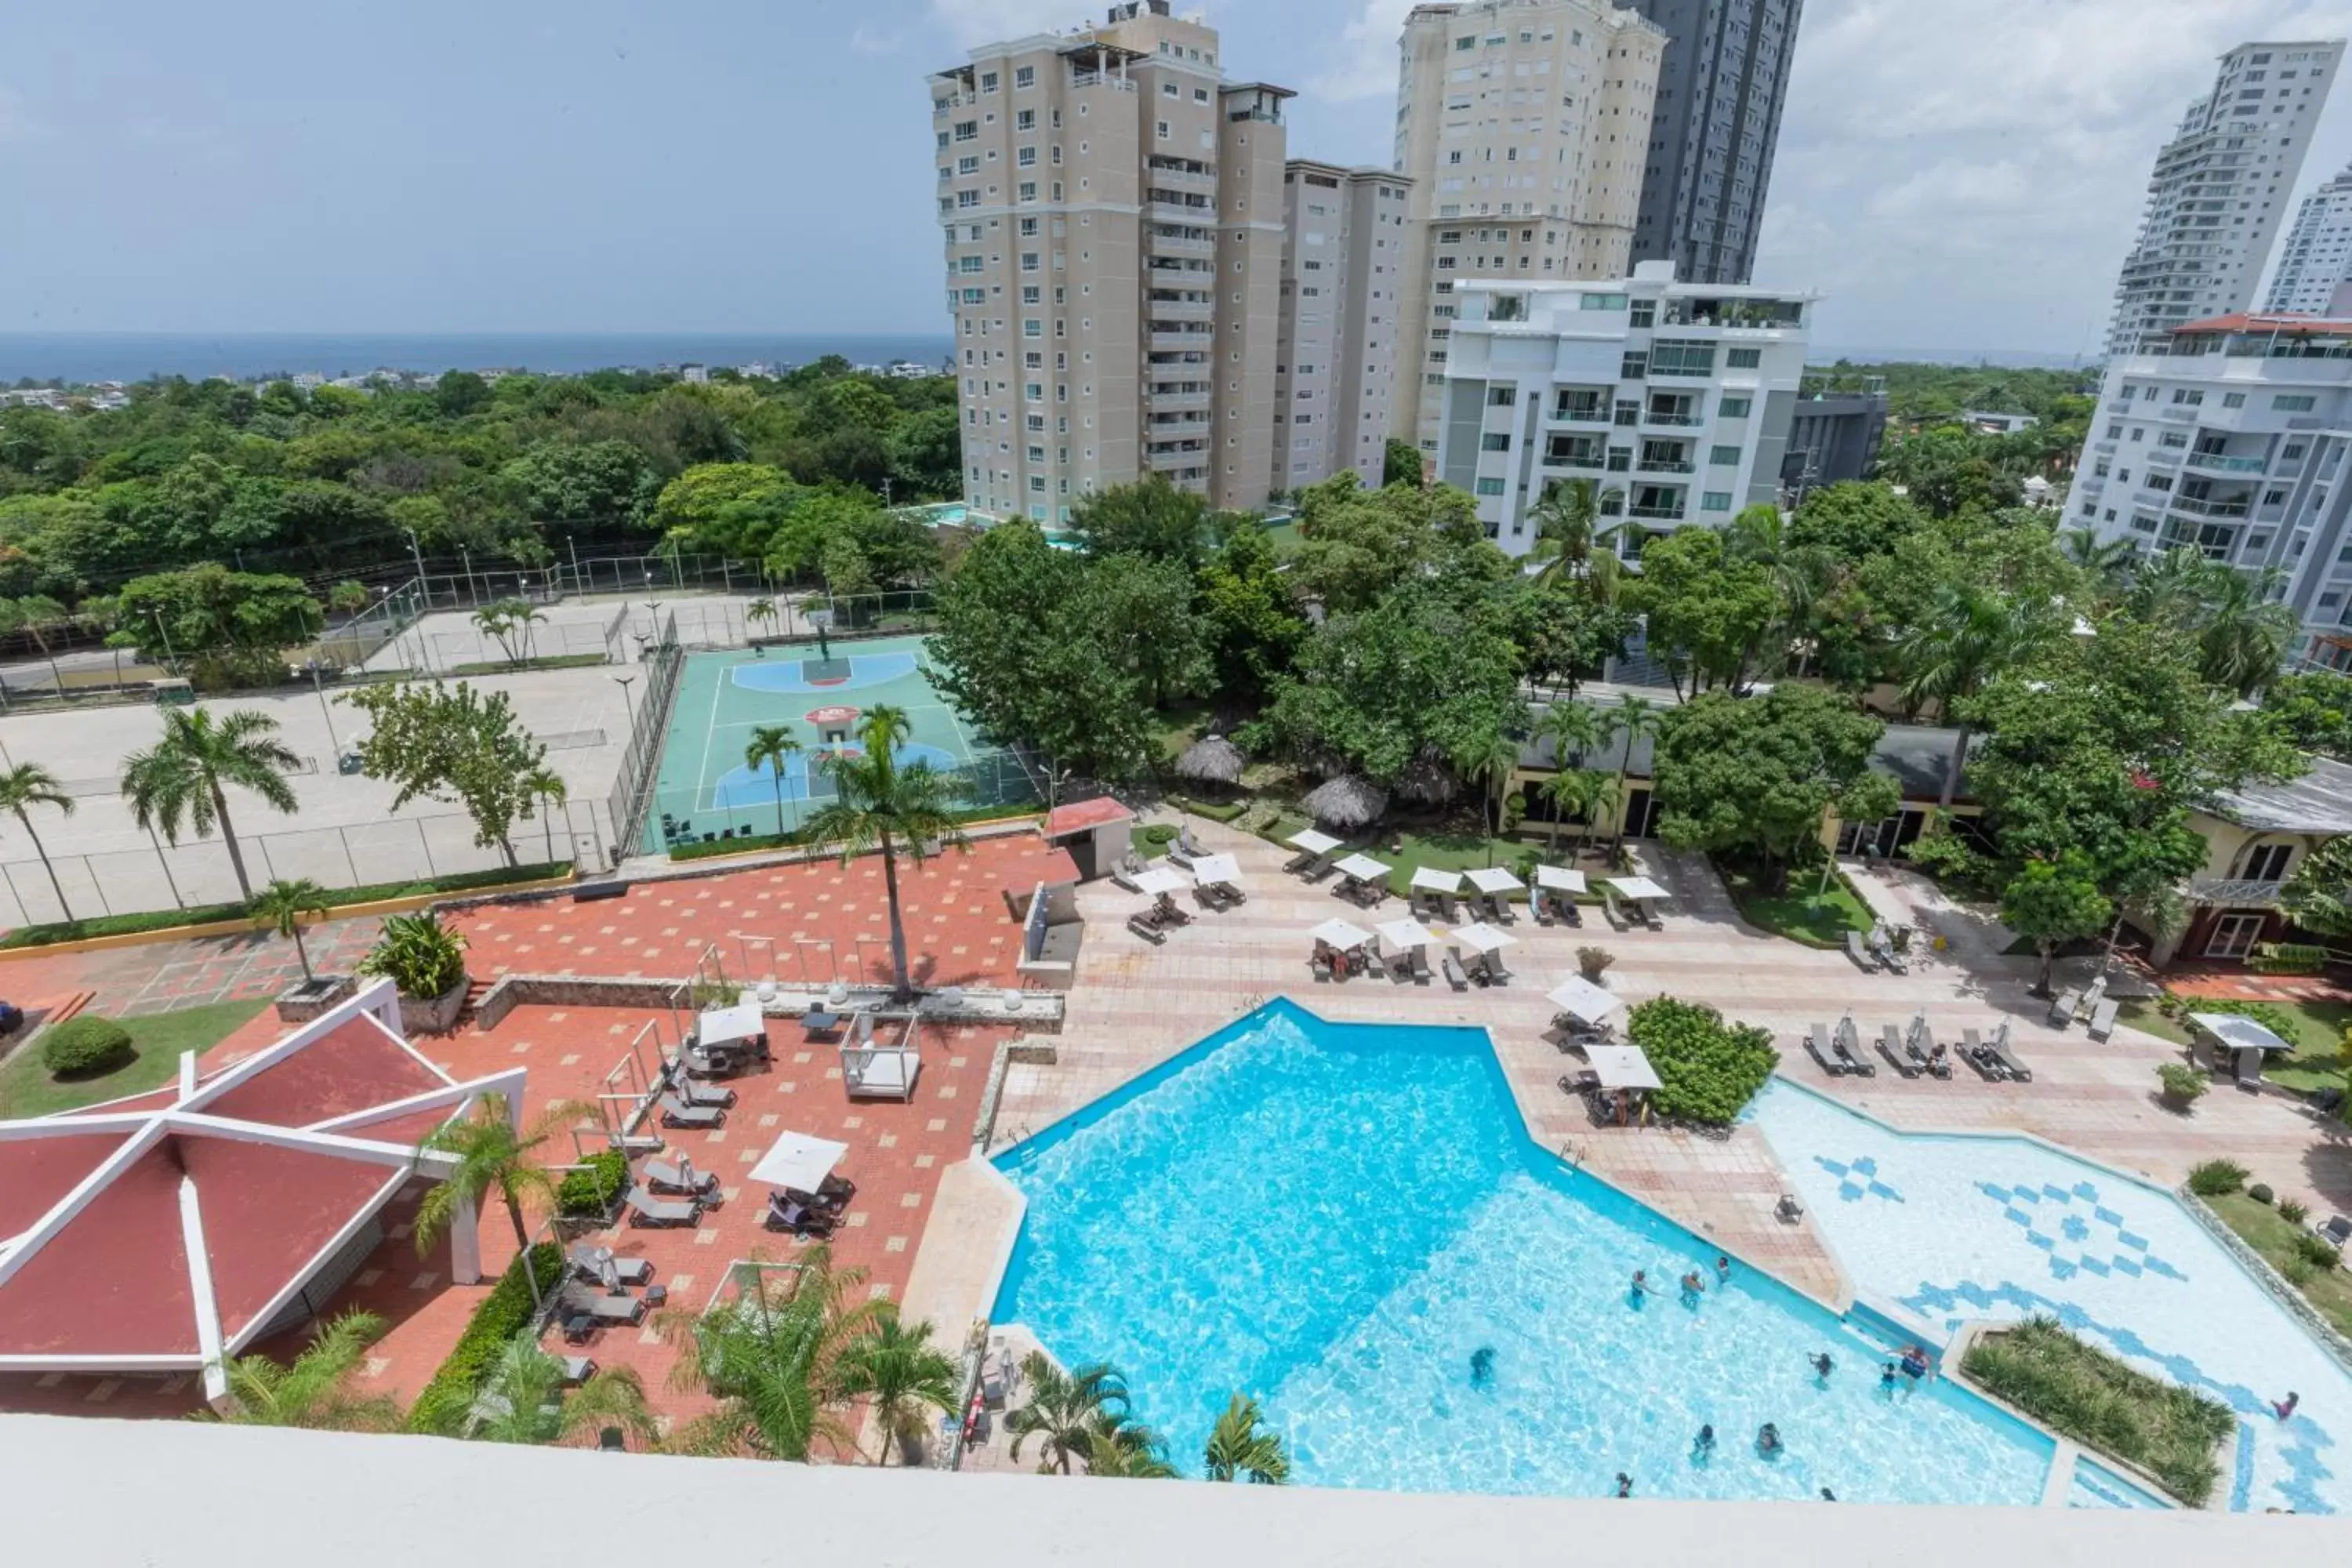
(823, 717)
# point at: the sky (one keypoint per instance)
(1953, 174)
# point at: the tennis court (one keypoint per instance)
(705, 790)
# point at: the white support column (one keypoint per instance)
(200, 1289)
(465, 1244)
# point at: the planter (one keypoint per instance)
(433, 1015)
(305, 1000)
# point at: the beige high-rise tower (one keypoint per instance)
(1335, 377)
(1525, 125)
(1113, 214)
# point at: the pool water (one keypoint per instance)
(1340, 1219)
(2095, 1485)
(1952, 1228)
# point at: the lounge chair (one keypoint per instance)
(1568, 912)
(799, 1219)
(1882, 948)
(2064, 1008)
(1788, 1210)
(584, 1263)
(578, 1369)
(1645, 910)
(1539, 907)
(647, 1211)
(1420, 965)
(1974, 1051)
(603, 1309)
(1847, 1043)
(1147, 925)
(675, 1112)
(1890, 1045)
(1817, 1045)
(704, 1095)
(1999, 1046)
(1170, 911)
(1495, 907)
(680, 1181)
(1454, 976)
(2103, 1019)
(2335, 1230)
(1497, 969)
(1610, 911)
(1855, 950)
(1919, 1042)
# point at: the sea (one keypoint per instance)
(85, 357)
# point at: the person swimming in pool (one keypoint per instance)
(1823, 1365)
(1828, 1496)
(1722, 1269)
(1704, 1445)
(1482, 1366)
(1768, 1439)
(1641, 1286)
(1693, 1285)
(1624, 1484)
(1887, 1377)
(1915, 1364)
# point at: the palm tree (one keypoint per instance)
(1490, 760)
(1970, 633)
(508, 622)
(1586, 794)
(180, 778)
(759, 609)
(526, 1401)
(1758, 537)
(2107, 563)
(1240, 1447)
(2171, 588)
(770, 745)
(877, 802)
(546, 788)
(775, 1361)
(2247, 631)
(1566, 725)
(1064, 1409)
(492, 1157)
(1570, 538)
(29, 784)
(903, 1373)
(312, 1391)
(282, 906)
(1632, 720)
(1125, 1449)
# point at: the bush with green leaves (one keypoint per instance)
(1160, 833)
(2216, 1178)
(503, 1314)
(587, 1191)
(2292, 1211)
(1707, 1070)
(2315, 1251)
(2260, 1192)
(85, 1047)
(417, 953)
(2182, 1085)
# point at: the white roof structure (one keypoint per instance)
(1637, 888)
(1430, 879)
(1407, 933)
(1560, 878)
(1622, 1067)
(1158, 879)
(1339, 933)
(1217, 872)
(2239, 1033)
(1314, 841)
(1483, 937)
(1580, 998)
(1362, 868)
(799, 1161)
(1495, 879)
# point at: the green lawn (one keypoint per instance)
(1802, 914)
(1178, 726)
(2262, 1229)
(2318, 1026)
(27, 1089)
(1285, 537)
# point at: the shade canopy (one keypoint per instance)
(1483, 937)
(1363, 869)
(717, 1026)
(1622, 1067)
(1430, 879)
(1581, 999)
(1339, 933)
(1217, 870)
(1560, 878)
(2239, 1033)
(1215, 760)
(1158, 879)
(799, 1161)
(1495, 879)
(1636, 887)
(1347, 802)
(1407, 933)
(1314, 842)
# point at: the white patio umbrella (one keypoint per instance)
(1314, 842)
(1407, 933)
(2239, 1033)
(1430, 879)
(799, 1161)
(1622, 1067)
(1341, 934)
(1580, 999)
(1637, 888)
(1217, 870)
(1495, 879)
(1483, 937)
(1560, 878)
(1362, 868)
(1158, 879)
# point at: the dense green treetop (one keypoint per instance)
(1755, 778)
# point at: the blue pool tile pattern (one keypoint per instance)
(2004, 1229)
(1340, 1219)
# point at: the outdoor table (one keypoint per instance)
(818, 1021)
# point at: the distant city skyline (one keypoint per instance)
(1959, 177)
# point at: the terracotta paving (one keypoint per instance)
(2246, 985)
(156, 977)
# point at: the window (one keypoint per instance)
(2267, 862)
(1634, 366)
(1025, 75)
(2299, 403)
(1645, 314)
(1601, 302)
(1162, 130)
(1668, 357)
(1714, 501)
(970, 264)
(1026, 158)
(1502, 396)
(1743, 359)
(1732, 408)
(2229, 400)
(988, 81)
(1490, 486)
(1723, 457)
(1494, 441)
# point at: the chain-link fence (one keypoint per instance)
(648, 731)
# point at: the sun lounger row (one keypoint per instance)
(1878, 951)
(1912, 1051)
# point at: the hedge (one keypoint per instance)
(503, 1314)
(1707, 1070)
(748, 844)
(205, 914)
(549, 661)
(1215, 811)
(587, 1193)
(85, 1047)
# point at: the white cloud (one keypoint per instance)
(867, 41)
(1366, 58)
(970, 22)
(18, 121)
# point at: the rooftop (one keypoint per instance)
(2319, 802)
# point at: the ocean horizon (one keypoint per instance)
(85, 357)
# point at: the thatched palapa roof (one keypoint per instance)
(1212, 761)
(1348, 803)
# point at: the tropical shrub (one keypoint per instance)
(2317, 1252)
(1160, 833)
(85, 1047)
(2215, 1178)
(587, 1193)
(2289, 958)
(417, 953)
(2292, 1211)
(2260, 1192)
(1707, 1070)
(2182, 1085)
(2298, 1272)
(503, 1314)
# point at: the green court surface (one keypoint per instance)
(704, 789)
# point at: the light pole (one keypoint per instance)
(170, 659)
(417, 556)
(473, 590)
(628, 701)
(334, 747)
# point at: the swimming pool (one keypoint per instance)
(1337, 1218)
(1950, 1228)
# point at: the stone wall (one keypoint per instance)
(575, 991)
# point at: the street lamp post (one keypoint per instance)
(334, 747)
(628, 701)
(472, 589)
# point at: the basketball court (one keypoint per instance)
(705, 790)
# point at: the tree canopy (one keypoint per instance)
(1755, 779)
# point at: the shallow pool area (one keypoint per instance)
(1350, 1223)
(1950, 1228)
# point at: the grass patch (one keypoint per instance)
(1450, 850)
(2167, 1431)
(2317, 1028)
(1177, 726)
(1150, 841)
(1807, 912)
(204, 914)
(27, 1089)
(2268, 1232)
(550, 661)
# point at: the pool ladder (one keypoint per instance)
(1568, 1153)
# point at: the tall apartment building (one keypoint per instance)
(2315, 260)
(1526, 126)
(1675, 398)
(1335, 360)
(1112, 212)
(1720, 88)
(2231, 437)
(2221, 186)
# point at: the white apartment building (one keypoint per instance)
(2219, 190)
(1525, 125)
(2232, 439)
(2315, 260)
(1335, 363)
(1675, 398)
(1111, 209)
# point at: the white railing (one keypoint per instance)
(2235, 890)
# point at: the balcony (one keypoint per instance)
(1665, 466)
(2181, 412)
(1673, 421)
(1201, 340)
(1663, 513)
(1596, 415)
(2234, 891)
(1202, 180)
(1176, 400)
(1587, 462)
(2197, 505)
(2215, 463)
(1198, 211)
(1166, 244)
(1163, 310)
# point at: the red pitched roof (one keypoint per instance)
(1083, 815)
